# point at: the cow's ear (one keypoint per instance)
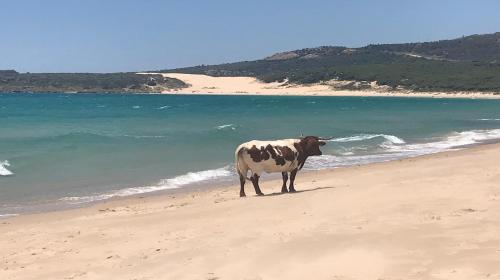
(321, 143)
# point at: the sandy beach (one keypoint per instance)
(432, 217)
(203, 84)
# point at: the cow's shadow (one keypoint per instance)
(297, 192)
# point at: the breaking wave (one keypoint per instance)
(362, 137)
(452, 141)
(330, 161)
(8, 215)
(163, 107)
(91, 134)
(141, 136)
(166, 184)
(226, 126)
(398, 149)
(3, 168)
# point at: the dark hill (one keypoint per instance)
(484, 48)
(12, 81)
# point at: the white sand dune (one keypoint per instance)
(432, 217)
(203, 84)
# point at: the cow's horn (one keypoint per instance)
(325, 139)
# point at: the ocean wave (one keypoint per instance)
(226, 126)
(8, 215)
(488, 119)
(110, 135)
(136, 107)
(362, 137)
(452, 141)
(165, 184)
(3, 168)
(92, 134)
(141, 136)
(163, 107)
(330, 161)
(393, 150)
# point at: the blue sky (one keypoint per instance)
(109, 36)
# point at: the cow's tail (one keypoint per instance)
(239, 163)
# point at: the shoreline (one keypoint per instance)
(427, 217)
(208, 85)
(201, 187)
(191, 190)
(215, 186)
(297, 91)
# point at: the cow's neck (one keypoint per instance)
(302, 155)
(302, 160)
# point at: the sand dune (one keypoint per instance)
(433, 217)
(203, 84)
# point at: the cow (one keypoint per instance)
(285, 156)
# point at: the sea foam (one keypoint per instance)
(362, 137)
(396, 148)
(165, 184)
(452, 141)
(163, 107)
(3, 168)
(8, 215)
(226, 126)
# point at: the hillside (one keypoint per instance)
(12, 81)
(469, 63)
(485, 48)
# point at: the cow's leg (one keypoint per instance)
(242, 184)
(292, 180)
(285, 178)
(255, 181)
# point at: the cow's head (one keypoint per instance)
(310, 145)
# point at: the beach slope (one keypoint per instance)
(432, 217)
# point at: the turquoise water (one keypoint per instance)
(63, 150)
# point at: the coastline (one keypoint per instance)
(207, 85)
(422, 217)
(247, 86)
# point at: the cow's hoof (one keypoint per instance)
(242, 195)
(292, 190)
(260, 194)
(284, 190)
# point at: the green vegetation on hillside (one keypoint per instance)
(12, 81)
(466, 64)
(485, 48)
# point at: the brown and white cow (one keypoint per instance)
(287, 155)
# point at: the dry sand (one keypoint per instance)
(203, 84)
(432, 217)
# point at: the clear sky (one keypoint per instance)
(126, 35)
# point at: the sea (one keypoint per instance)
(68, 150)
